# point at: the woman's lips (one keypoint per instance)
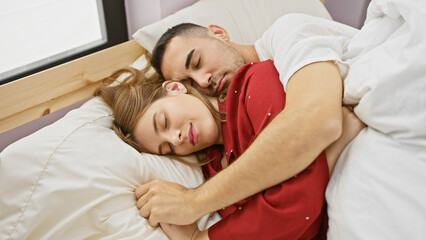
(192, 135)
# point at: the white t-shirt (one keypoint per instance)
(296, 40)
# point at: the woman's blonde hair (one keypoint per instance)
(130, 98)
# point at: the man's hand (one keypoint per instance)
(166, 202)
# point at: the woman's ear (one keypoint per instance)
(218, 32)
(174, 87)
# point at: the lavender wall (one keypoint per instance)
(15, 134)
(350, 12)
(143, 12)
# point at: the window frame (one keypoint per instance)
(116, 32)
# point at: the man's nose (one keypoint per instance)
(203, 79)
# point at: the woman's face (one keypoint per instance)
(178, 123)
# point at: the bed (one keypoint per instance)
(74, 179)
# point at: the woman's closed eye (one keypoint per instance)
(169, 145)
(171, 149)
(167, 149)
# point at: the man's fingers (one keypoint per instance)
(142, 201)
(141, 190)
(145, 212)
(159, 201)
(153, 222)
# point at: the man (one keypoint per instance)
(307, 53)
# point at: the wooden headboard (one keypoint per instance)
(34, 96)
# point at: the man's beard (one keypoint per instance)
(237, 64)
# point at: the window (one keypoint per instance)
(40, 34)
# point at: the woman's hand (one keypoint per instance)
(186, 232)
(167, 202)
(351, 126)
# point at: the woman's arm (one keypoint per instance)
(351, 127)
(185, 232)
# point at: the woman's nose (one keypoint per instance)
(176, 138)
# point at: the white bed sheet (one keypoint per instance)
(378, 188)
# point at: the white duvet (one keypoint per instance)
(378, 189)
(75, 178)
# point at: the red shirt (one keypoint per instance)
(293, 209)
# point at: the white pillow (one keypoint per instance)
(75, 179)
(245, 20)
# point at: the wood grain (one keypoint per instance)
(45, 92)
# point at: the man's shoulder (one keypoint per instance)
(284, 29)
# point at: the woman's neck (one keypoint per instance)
(214, 102)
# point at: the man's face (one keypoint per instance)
(209, 63)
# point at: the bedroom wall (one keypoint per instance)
(152, 11)
(15, 134)
(350, 12)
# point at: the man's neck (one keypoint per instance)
(248, 52)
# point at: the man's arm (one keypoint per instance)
(309, 123)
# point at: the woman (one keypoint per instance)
(175, 119)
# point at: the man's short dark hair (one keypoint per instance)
(183, 29)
